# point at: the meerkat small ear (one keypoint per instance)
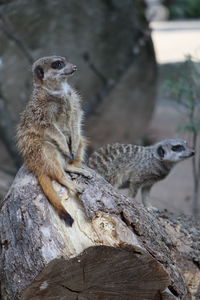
(39, 72)
(161, 151)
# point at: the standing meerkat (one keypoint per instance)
(49, 134)
(137, 166)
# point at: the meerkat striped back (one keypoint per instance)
(137, 166)
(111, 158)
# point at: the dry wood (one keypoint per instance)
(116, 249)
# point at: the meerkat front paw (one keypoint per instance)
(86, 174)
(77, 189)
(77, 170)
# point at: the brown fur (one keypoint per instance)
(49, 133)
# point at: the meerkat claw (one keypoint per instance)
(73, 156)
(79, 190)
(87, 174)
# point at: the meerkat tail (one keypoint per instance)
(52, 196)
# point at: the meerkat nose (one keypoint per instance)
(74, 68)
(192, 152)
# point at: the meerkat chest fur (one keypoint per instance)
(66, 89)
(66, 108)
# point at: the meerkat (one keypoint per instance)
(137, 166)
(49, 134)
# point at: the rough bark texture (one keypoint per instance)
(116, 249)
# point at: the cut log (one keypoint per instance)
(115, 249)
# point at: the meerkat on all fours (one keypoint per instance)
(49, 134)
(137, 166)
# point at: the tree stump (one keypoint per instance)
(115, 249)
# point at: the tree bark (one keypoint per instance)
(116, 249)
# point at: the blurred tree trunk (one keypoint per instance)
(6, 132)
(116, 62)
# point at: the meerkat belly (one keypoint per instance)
(52, 153)
(65, 122)
(151, 177)
(65, 130)
(61, 159)
(129, 176)
(119, 178)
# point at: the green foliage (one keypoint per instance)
(184, 9)
(185, 91)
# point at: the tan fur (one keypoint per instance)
(49, 133)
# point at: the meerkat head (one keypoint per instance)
(173, 150)
(52, 71)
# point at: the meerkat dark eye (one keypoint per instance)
(58, 64)
(161, 151)
(178, 148)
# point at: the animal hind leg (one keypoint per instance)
(48, 189)
(145, 191)
(72, 187)
(133, 189)
(55, 170)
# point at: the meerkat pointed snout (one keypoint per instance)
(174, 150)
(49, 134)
(52, 72)
(137, 166)
(69, 69)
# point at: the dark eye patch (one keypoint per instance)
(178, 148)
(161, 151)
(39, 72)
(58, 64)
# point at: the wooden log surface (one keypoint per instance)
(116, 249)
